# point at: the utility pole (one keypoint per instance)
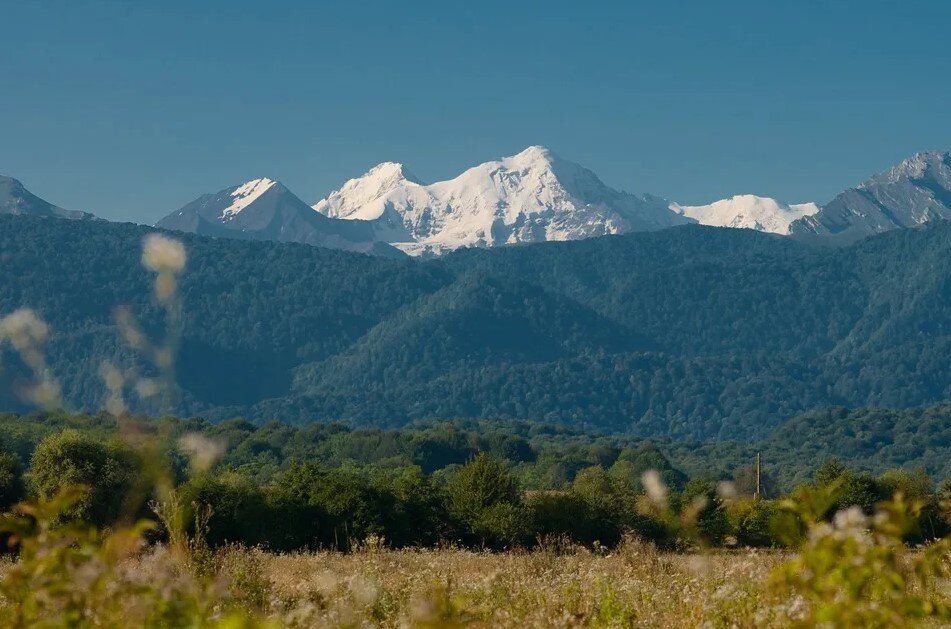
(759, 475)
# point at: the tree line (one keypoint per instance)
(481, 499)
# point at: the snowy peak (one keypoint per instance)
(365, 197)
(531, 157)
(246, 194)
(531, 196)
(264, 209)
(920, 166)
(391, 172)
(748, 211)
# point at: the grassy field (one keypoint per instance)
(633, 586)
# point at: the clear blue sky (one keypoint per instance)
(130, 111)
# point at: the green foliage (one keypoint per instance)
(857, 572)
(72, 459)
(485, 497)
(71, 574)
(238, 510)
(687, 333)
(12, 487)
(752, 521)
(707, 513)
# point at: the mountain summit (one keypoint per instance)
(16, 199)
(915, 191)
(264, 209)
(748, 211)
(532, 196)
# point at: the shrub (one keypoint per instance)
(107, 471)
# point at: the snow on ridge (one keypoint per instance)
(531, 196)
(365, 197)
(245, 194)
(748, 211)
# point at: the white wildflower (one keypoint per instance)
(726, 490)
(147, 387)
(202, 450)
(654, 486)
(850, 519)
(163, 254)
(25, 329)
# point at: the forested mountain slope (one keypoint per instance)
(688, 332)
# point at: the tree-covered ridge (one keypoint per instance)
(686, 333)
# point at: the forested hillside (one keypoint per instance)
(691, 332)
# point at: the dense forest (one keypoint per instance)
(689, 333)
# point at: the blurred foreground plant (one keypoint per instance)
(70, 574)
(856, 571)
(28, 334)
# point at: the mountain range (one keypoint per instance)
(689, 332)
(533, 196)
(263, 209)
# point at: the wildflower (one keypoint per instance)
(45, 393)
(28, 334)
(655, 488)
(202, 450)
(850, 519)
(114, 381)
(165, 287)
(163, 254)
(819, 531)
(726, 490)
(364, 591)
(24, 329)
(147, 387)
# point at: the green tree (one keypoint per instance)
(108, 471)
(238, 510)
(486, 499)
(710, 517)
(11, 480)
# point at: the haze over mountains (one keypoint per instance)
(533, 196)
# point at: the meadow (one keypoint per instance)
(634, 585)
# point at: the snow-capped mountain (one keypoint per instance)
(264, 209)
(16, 199)
(748, 211)
(533, 196)
(914, 192)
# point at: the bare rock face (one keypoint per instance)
(914, 192)
(16, 199)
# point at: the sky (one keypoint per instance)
(131, 109)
